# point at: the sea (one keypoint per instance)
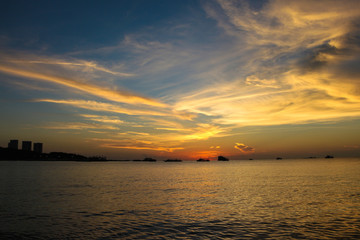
(239, 199)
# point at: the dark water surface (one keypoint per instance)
(287, 199)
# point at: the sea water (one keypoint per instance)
(259, 199)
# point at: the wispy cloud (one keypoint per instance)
(203, 131)
(288, 24)
(86, 66)
(134, 144)
(134, 133)
(48, 70)
(112, 95)
(78, 126)
(103, 119)
(299, 64)
(140, 147)
(114, 108)
(243, 148)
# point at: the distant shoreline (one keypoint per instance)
(7, 154)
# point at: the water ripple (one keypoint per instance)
(293, 200)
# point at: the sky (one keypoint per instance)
(183, 78)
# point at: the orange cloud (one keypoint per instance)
(78, 126)
(153, 148)
(270, 90)
(105, 107)
(135, 144)
(134, 133)
(243, 148)
(112, 95)
(103, 119)
(203, 131)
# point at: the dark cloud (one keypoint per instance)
(341, 53)
(313, 59)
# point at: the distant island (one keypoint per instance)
(221, 158)
(149, 159)
(173, 160)
(202, 160)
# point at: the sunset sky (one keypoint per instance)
(182, 79)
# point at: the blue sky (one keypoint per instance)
(188, 79)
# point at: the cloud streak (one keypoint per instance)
(112, 95)
(244, 149)
(103, 119)
(76, 75)
(114, 108)
(87, 66)
(134, 145)
(299, 70)
(78, 126)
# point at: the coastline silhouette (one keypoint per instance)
(26, 153)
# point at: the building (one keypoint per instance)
(38, 147)
(13, 144)
(26, 145)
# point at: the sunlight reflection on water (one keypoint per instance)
(219, 200)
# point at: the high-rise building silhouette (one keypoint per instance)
(13, 144)
(26, 145)
(38, 147)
